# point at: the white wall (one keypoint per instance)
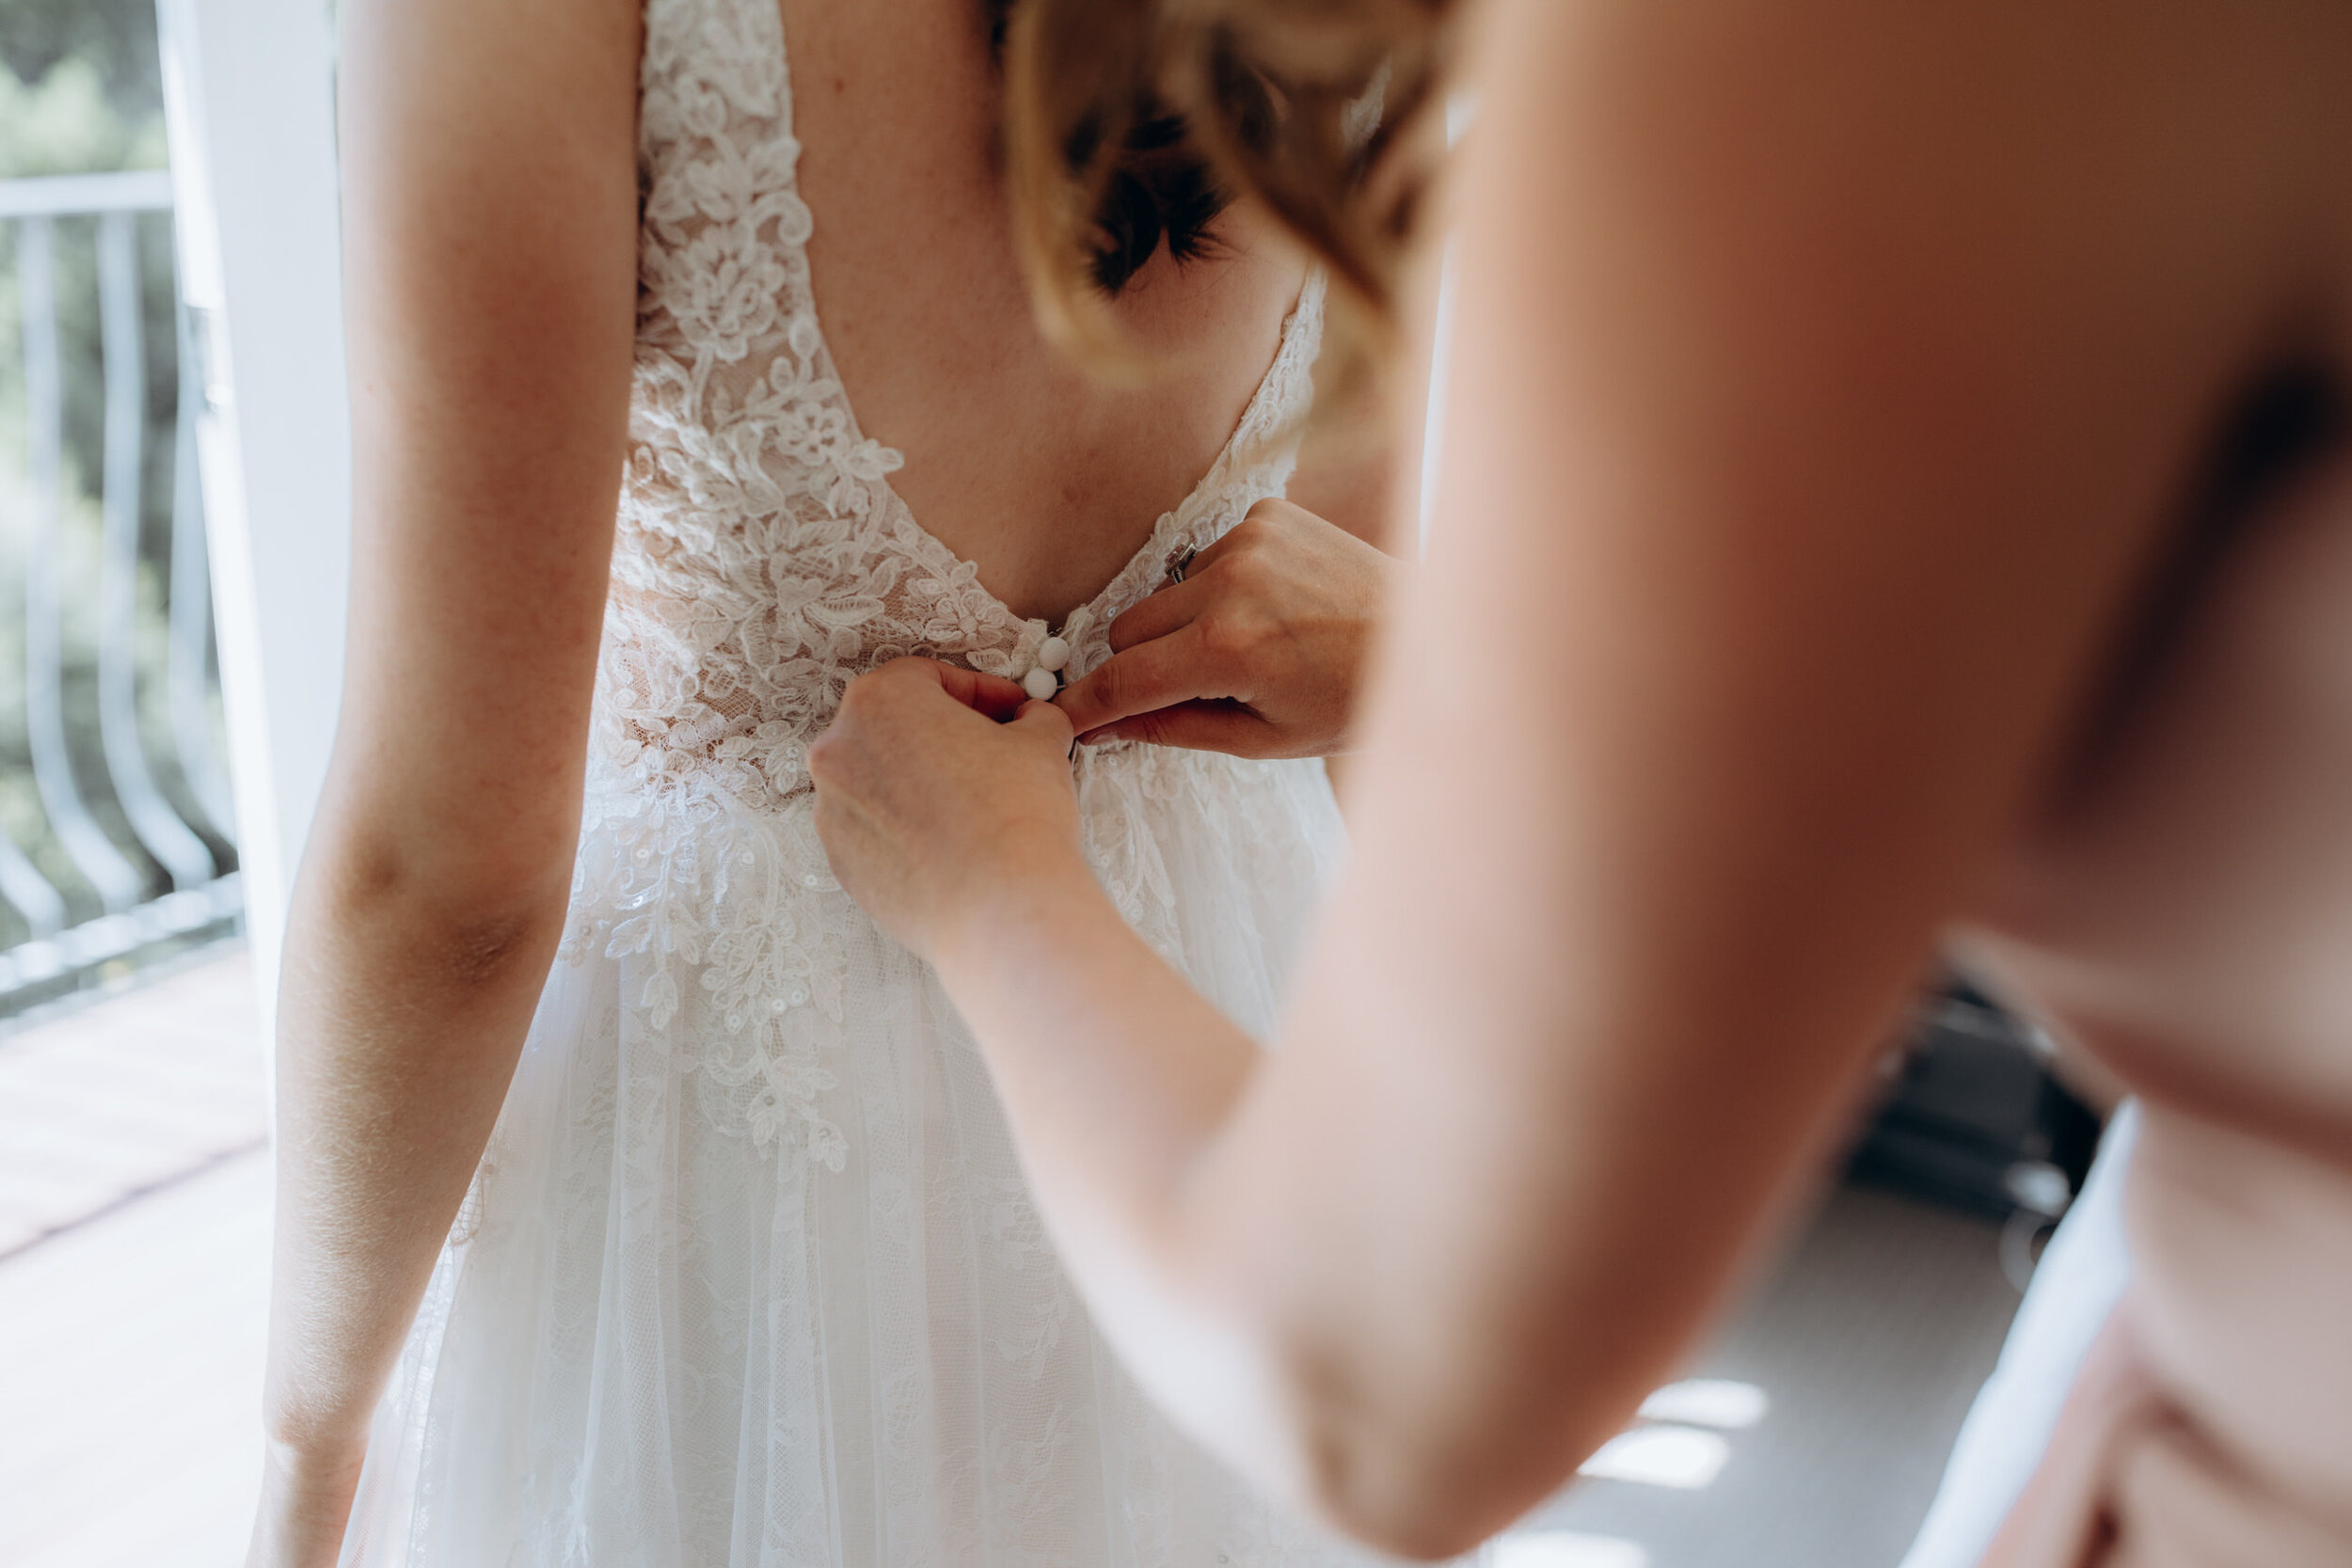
(249, 100)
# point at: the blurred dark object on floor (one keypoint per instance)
(1975, 1120)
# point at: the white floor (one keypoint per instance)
(125, 1093)
(1865, 1345)
(135, 1224)
(130, 1406)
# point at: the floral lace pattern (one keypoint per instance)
(763, 561)
(763, 558)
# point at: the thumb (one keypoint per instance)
(1150, 676)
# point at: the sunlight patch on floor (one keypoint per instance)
(1683, 1458)
(1721, 1402)
(1560, 1548)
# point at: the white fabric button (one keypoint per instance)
(1040, 683)
(1053, 654)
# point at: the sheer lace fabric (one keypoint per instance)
(749, 1275)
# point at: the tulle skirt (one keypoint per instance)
(750, 1275)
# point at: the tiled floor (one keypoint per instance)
(134, 1248)
(135, 1198)
(130, 1406)
(125, 1093)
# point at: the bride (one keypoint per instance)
(640, 1201)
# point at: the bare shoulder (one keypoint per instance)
(554, 75)
(2109, 155)
(2007, 271)
(487, 152)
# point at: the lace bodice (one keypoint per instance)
(762, 562)
(763, 558)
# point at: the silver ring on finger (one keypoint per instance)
(1179, 562)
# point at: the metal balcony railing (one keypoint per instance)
(117, 836)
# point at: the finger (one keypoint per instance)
(1254, 523)
(1160, 612)
(1048, 723)
(993, 695)
(1199, 726)
(1155, 674)
(997, 697)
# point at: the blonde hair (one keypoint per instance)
(1272, 96)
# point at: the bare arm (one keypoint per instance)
(1825, 376)
(489, 202)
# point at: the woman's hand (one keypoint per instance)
(940, 793)
(1258, 652)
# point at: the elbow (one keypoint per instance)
(1415, 1423)
(459, 915)
(1397, 1499)
(1424, 1480)
(1428, 1535)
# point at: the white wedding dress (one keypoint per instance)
(750, 1275)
